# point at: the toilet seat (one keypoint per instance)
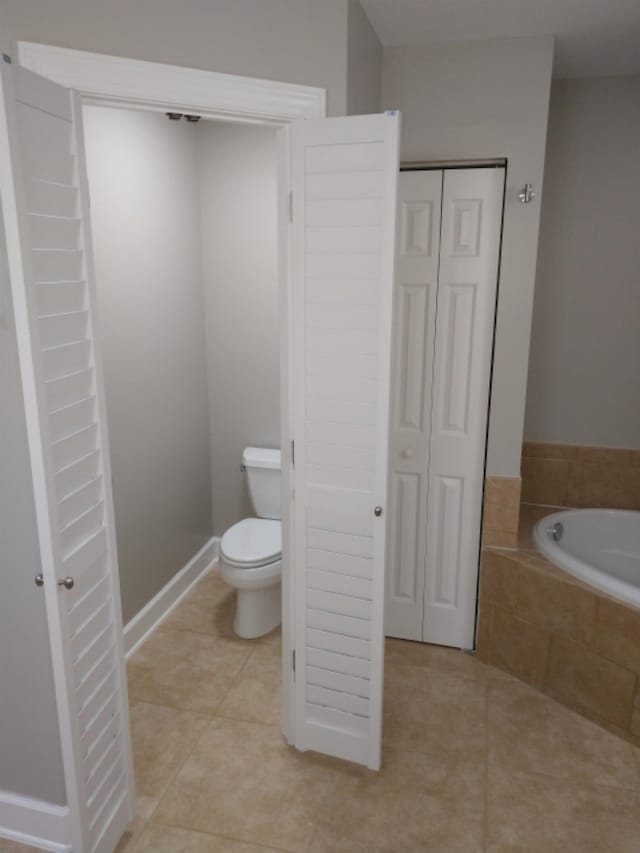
(251, 543)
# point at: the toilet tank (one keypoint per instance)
(263, 475)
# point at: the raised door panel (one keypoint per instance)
(469, 253)
(415, 293)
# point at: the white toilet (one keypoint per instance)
(251, 550)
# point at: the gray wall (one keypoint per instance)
(240, 267)
(143, 180)
(364, 63)
(300, 41)
(29, 736)
(474, 100)
(585, 348)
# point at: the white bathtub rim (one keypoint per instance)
(596, 578)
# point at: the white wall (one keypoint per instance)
(364, 63)
(240, 267)
(474, 100)
(585, 348)
(143, 180)
(28, 718)
(299, 41)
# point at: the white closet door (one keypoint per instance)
(420, 198)
(469, 251)
(344, 178)
(45, 211)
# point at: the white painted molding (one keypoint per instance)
(156, 611)
(35, 823)
(153, 84)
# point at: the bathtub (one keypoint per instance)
(599, 546)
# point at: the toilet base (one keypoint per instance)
(258, 611)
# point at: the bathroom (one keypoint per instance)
(454, 740)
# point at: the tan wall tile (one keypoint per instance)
(519, 648)
(584, 680)
(580, 475)
(501, 511)
(635, 716)
(618, 633)
(501, 516)
(483, 631)
(600, 484)
(499, 538)
(503, 490)
(498, 579)
(606, 455)
(545, 450)
(561, 608)
(545, 481)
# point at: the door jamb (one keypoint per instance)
(137, 84)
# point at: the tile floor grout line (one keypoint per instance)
(220, 835)
(194, 831)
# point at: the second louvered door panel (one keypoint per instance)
(44, 199)
(344, 197)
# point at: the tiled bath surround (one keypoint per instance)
(562, 637)
(537, 622)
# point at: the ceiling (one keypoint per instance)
(593, 38)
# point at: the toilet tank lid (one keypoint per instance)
(260, 457)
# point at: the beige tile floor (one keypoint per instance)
(473, 759)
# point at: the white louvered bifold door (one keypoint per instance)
(344, 178)
(44, 200)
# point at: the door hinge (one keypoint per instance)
(293, 452)
(290, 207)
(293, 662)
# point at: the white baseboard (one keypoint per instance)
(152, 614)
(35, 823)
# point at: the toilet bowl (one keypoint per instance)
(251, 562)
(250, 558)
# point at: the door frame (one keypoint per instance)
(137, 84)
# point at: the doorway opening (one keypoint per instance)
(185, 236)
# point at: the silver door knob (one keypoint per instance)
(407, 453)
(67, 583)
(378, 511)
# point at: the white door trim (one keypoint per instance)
(135, 83)
(158, 86)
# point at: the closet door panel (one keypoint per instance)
(46, 218)
(413, 342)
(469, 252)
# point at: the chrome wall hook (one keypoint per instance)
(526, 194)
